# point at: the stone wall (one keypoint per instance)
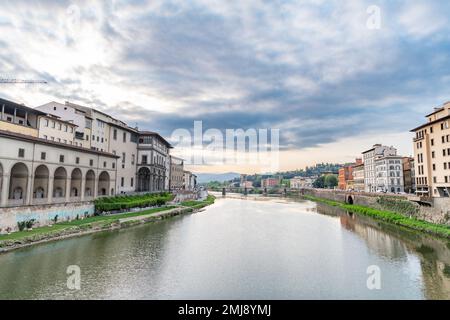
(438, 213)
(43, 214)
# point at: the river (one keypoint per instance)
(238, 248)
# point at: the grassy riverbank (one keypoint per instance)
(389, 216)
(67, 229)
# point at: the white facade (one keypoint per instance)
(301, 182)
(370, 156)
(103, 133)
(36, 171)
(389, 174)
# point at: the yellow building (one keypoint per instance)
(432, 154)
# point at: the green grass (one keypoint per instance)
(37, 231)
(389, 216)
(84, 224)
(115, 217)
(193, 203)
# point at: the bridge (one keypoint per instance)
(246, 191)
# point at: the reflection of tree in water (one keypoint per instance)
(395, 243)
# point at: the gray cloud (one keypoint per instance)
(311, 69)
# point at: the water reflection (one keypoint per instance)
(396, 243)
(239, 248)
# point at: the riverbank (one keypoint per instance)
(389, 216)
(79, 227)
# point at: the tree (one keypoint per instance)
(331, 181)
(319, 183)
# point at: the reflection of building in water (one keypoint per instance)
(379, 241)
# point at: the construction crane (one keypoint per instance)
(21, 81)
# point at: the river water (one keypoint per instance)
(238, 248)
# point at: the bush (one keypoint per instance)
(129, 202)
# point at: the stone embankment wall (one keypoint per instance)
(43, 214)
(438, 213)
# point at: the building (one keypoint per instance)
(432, 154)
(345, 178)
(389, 174)
(247, 184)
(270, 182)
(302, 182)
(36, 170)
(153, 159)
(176, 173)
(370, 156)
(190, 181)
(98, 131)
(409, 175)
(358, 178)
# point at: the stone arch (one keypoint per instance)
(41, 179)
(90, 184)
(144, 179)
(18, 185)
(59, 182)
(75, 183)
(103, 184)
(350, 199)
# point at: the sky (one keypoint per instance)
(321, 72)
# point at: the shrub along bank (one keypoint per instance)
(130, 202)
(389, 216)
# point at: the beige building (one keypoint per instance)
(358, 178)
(432, 154)
(176, 173)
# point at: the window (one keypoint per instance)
(115, 134)
(53, 124)
(432, 142)
(144, 159)
(104, 164)
(123, 157)
(132, 182)
(102, 140)
(122, 181)
(113, 165)
(59, 126)
(77, 160)
(61, 158)
(91, 162)
(65, 128)
(132, 159)
(434, 167)
(46, 122)
(43, 155)
(45, 137)
(124, 137)
(21, 153)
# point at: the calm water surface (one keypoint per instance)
(254, 248)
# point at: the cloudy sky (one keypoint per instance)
(312, 69)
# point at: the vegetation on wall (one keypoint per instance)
(389, 216)
(129, 202)
(397, 205)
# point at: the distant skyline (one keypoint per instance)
(312, 69)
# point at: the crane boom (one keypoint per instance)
(21, 81)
